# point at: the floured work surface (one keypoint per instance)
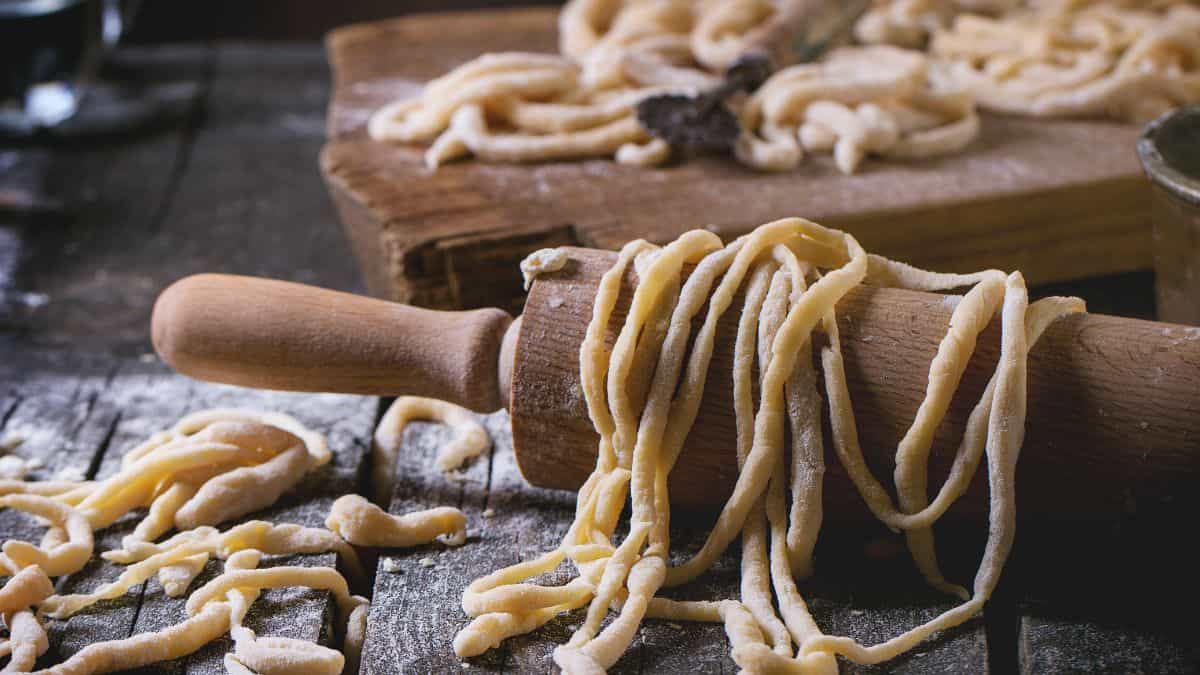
(1056, 199)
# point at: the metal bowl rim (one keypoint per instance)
(1175, 182)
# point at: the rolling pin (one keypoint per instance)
(1114, 403)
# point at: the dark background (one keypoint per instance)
(173, 21)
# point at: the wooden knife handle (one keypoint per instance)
(281, 335)
(795, 22)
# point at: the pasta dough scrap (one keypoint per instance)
(793, 273)
(470, 439)
(542, 261)
(25, 589)
(859, 101)
(362, 523)
(62, 558)
(26, 641)
(144, 649)
(210, 467)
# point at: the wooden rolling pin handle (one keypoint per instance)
(281, 335)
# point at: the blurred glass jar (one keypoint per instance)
(49, 52)
(1169, 148)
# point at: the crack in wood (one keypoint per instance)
(102, 449)
(10, 408)
(187, 140)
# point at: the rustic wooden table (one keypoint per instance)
(225, 179)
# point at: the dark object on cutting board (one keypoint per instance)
(800, 31)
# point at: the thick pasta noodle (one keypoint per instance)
(470, 439)
(792, 273)
(1054, 58)
(521, 107)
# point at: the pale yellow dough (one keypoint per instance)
(211, 467)
(362, 523)
(470, 439)
(542, 261)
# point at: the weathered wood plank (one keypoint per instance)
(230, 187)
(56, 416)
(1109, 597)
(92, 260)
(415, 606)
(873, 606)
(250, 200)
(1054, 643)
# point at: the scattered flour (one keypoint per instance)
(70, 473)
(10, 441)
(13, 468)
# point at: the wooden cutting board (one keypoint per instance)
(1057, 199)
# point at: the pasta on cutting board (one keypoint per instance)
(911, 88)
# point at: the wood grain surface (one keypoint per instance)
(1055, 199)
